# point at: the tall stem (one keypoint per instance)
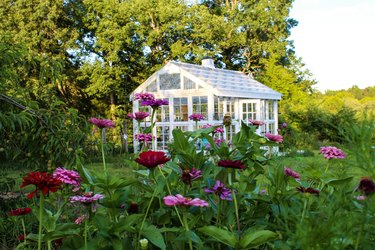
(304, 209)
(24, 231)
(86, 219)
(144, 218)
(235, 205)
(103, 155)
(41, 205)
(187, 230)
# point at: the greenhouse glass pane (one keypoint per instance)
(169, 81)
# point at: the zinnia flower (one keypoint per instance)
(308, 190)
(291, 173)
(196, 117)
(70, 177)
(275, 138)
(332, 152)
(144, 96)
(102, 123)
(21, 237)
(143, 137)
(190, 175)
(154, 103)
(42, 181)
(20, 211)
(179, 200)
(366, 185)
(221, 190)
(133, 208)
(151, 159)
(139, 116)
(256, 123)
(284, 125)
(231, 164)
(86, 198)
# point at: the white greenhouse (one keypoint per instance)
(210, 91)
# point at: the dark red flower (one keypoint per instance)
(21, 237)
(308, 190)
(366, 185)
(133, 208)
(20, 211)
(43, 181)
(231, 164)
(151, 159)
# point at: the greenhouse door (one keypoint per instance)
(249, 110)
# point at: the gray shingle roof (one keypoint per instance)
(229, 82)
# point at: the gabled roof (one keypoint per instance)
(229, 82)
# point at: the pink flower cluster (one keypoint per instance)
(196, 117)
(86, 198)
(256, 123)
(143, 137)
(144, 96)
(332, 152)
(219, 130)
(139, 116)
(102, 123)
(291, 173)
(275, 138)
(179, 200)
(70, 177)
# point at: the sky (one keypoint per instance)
(336, 40)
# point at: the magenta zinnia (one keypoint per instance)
(86, 198)
(231, 164)
(143, 137)
(70, 177)
(154, 103)
(43, 182)
(256, 123)
(20, 211)
(275, 138)
(190, 175)
(221, 190)
(196, 117)
(332, 152)
(102, 123)
(151, 159)
(144, 96)
(139, 116)
(179, 200)
(291, 173)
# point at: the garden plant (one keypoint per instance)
(223, 195)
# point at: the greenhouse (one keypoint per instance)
(209, 91)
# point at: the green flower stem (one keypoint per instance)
(85, 236)
(304, 209)
(49, 245)
(24, 231)
(187, 230)
(356, 247)
(103, 155)
(218, 213)
(147, 210)
(170, 193)
(41, 205)
(235, 205)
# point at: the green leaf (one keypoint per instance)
(154, 235)
(220, 235)
(85, 174)
(252, 238)
(338, 182)
(125, 224)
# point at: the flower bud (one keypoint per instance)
(227, 120)
(144, 244)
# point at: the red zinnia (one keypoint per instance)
(43, 181)
(151, 159)
(308, 190)
(366, 185)
(231, 164)
(20, 211)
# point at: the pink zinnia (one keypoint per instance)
(144, 96)
(154, 103)
(275, 138)
(196, 117)
(221, 190)
(179, 200)
(332, 152)
(291, 173)
(102, 123)
(143, 137)
(190, 175)
(139, 116)
(70, 177)
(256, 123)
(86, 198)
